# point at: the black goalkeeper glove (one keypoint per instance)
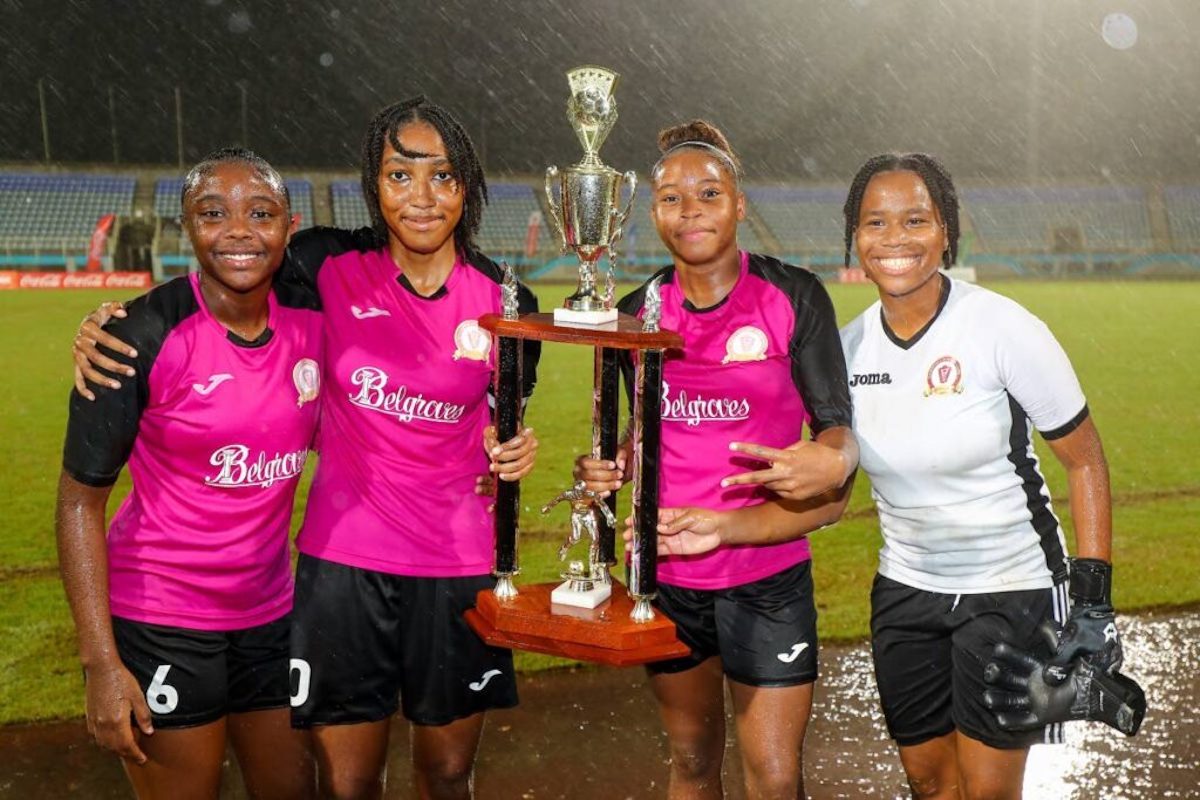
(1024, 700)
(1091, 629)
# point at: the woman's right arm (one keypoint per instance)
(113, 694)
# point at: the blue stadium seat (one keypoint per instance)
(1183, 215)
(805, 221)
(57, 213)
(1045, 219)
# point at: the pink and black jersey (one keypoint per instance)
(401, 438)
(215, 430)
(754, 368)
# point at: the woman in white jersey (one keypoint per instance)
(948, 382)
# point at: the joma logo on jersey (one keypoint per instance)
(870, 378)
(237, 470)
(374, 395)
(694, 410)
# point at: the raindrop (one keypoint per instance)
(239, 22)
(213, 2)
(326, 59)
(1120, 32)
(335, 14)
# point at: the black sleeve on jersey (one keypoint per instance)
(100, 434)
(818, 363)
(632, 304)
(296, 280)
(527, 303)
(1068, 426)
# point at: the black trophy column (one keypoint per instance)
(604, 434)
(508, 422)
(643, 564)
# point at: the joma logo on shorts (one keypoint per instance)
(870, 379)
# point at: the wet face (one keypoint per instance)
(239, 225)
(696, 207)
(900, 236)
(419, 196)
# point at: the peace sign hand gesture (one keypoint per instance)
(799, 471)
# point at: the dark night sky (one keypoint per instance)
(804, 88)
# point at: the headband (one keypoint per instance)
(721, 154)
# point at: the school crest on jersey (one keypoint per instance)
(944, 377)
(471, 341)
(747, 343)
(306, 375)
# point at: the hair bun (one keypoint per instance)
(696, 130)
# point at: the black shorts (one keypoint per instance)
(765, 632)
(930, 650)
(364, 643)
(195, 677)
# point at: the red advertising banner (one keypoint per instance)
(20, 279)
(532, 233)
(104, 226)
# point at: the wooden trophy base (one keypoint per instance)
(604, 635)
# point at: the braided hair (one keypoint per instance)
(937, 181)
(385, 127)
(233, 155)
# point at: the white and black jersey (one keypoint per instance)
(944, 422)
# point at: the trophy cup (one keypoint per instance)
(590, 616)
(586, 213)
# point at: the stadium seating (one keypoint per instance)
(1059, 219)
(166, 198)
(349, 210)
(1183, 215)
(805, 221)
(57, 213)
(506, 220)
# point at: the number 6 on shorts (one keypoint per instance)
(161, 696)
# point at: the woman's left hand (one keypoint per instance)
(798, 472)
(513, 459)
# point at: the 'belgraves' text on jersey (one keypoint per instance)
(375, 394)
(238, 470)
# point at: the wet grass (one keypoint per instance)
(1133, 345)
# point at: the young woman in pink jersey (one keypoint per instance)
(182, 606)
(761, 358)
(397, 536)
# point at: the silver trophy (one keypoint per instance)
(583, 587)
(586, 212)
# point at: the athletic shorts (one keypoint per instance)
(765, 632)
(195, 677)
(365, 643)
(930, 650)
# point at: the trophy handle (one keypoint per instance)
(555, 208)
(619, 219)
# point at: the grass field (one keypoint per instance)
(1133, 345)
